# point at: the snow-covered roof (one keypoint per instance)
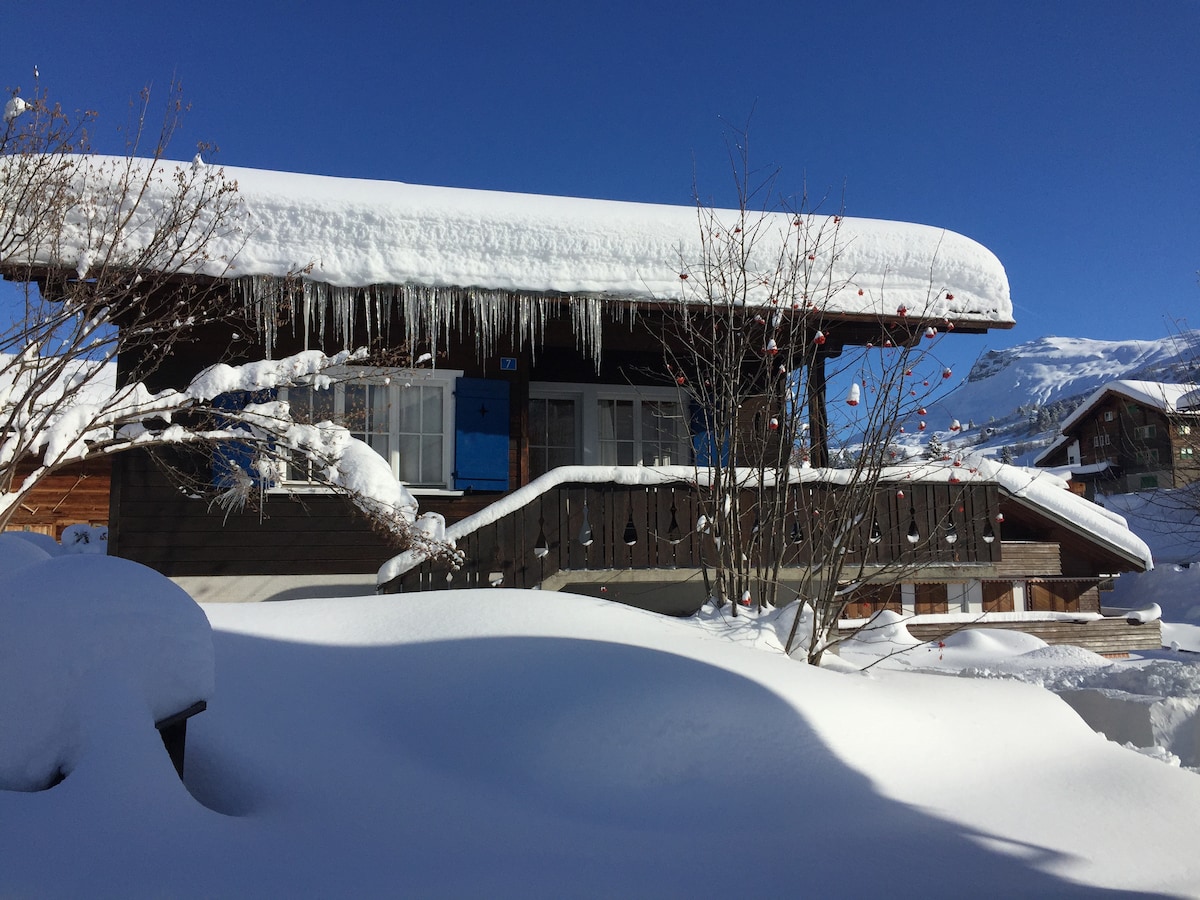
(1168, 399)
(352, 233)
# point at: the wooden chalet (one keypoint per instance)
(557, 460)
(1129, 436)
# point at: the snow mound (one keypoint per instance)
(17, 550)
(81, 634)
(998, 642)
(886, 626)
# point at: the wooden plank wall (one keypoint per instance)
(156, 524)
(635, 528)
(72, 495)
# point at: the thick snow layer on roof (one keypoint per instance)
(355, 232)
(1050, 495)
(1163, 397)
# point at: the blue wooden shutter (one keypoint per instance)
(229, 456)
(480, 435)
(705, 449)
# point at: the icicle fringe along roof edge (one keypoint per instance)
(1037, 488)
(412, 243)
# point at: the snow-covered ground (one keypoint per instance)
(506, 742)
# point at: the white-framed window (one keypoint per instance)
(1183, 430)
(1108, 415)
(1148, 457)
(554, 425)
(406, 416)
(1185, 452)
(1101, 440)
(1145, 432)
(612, 425)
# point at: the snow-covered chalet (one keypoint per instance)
(530, 420)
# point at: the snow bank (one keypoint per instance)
(1173, 588)
(518, 743)
(74, 629)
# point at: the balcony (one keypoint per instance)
(554, 532)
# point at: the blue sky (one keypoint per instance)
(1063, 135)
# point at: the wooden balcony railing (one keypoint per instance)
(575, 527)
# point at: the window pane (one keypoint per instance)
(616, 433)
(431, 410)
(662, 422)
(560, 430)
(551, 434)
(410, 409)
(431, 459)
(410, 458)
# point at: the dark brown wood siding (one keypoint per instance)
(1022, 558)
(156, 524)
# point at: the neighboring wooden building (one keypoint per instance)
(1130, 436)
(541, 417)
(73, 495)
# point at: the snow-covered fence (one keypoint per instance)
(587, 526)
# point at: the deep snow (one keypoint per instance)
(525, 743)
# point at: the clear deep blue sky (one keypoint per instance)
(1064, 135)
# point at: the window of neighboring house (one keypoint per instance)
(1149, 481)
(403, 416)
(1101, 440)
(1186, 452)
(1145, 432)
(1183, 430)
(1148, 457)
(1108, 415)
(607, 425)
(553, 434)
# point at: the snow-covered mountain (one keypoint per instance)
(1016, 396)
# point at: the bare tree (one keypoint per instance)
(753, 343)
(121, 259)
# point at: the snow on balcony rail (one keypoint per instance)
(1046, 493)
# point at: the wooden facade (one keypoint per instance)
(73, 495)
(631, 528)
(1119, 444)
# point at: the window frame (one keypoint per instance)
(396, 379)
(587, 399)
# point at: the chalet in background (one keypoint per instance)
(1129, 436)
